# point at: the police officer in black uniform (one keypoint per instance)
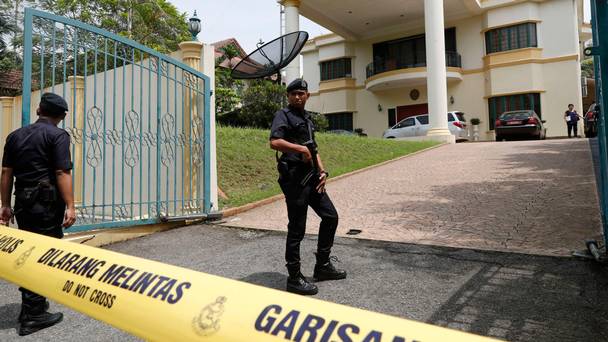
(38, 156)
(302, 180)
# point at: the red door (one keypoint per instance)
(407, 111)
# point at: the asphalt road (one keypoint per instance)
(517, 297)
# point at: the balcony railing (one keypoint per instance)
(380, 65)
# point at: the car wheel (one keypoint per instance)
(499, 138)
(390, 137)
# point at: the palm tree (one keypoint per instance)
(6, 28)
(229, 52)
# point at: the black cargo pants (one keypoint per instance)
(298, 199)
(39, 210)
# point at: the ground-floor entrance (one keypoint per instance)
(401, 112)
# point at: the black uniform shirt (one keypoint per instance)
(36, 151)
(292, 125)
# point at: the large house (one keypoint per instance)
(390, 59)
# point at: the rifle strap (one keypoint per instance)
(308, 124)
(276, 153)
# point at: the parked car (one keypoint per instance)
(519, 124)
(418, 125)
(590, 123)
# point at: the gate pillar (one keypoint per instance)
(7, 115)
(191, 56)
(77, 87)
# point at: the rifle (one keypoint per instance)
(310, 144)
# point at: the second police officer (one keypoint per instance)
(302, 181)
(38, 157)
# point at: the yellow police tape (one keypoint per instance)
(160, 302)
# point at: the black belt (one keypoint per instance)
(19, 185)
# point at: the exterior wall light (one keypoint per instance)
(451, 99)
(379, 107)
(194, 26)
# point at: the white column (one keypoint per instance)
(208, 68)
(292, 24)
(436, 69)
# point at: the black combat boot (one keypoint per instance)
(297, 283)
(325, 270)
(22, 313)
(33, 316)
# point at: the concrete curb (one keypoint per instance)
(237, 210)
(346, 238)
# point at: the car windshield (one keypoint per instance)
(424, 119)
(515, 116)
(460, 117)
(405, 123)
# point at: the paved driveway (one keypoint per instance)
(535, 197)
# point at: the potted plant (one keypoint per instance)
(360, 132)
(475, 123)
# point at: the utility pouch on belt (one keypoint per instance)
(282, 166)
(27, 196)
(43, 192)
(47, 192)
(36, 207)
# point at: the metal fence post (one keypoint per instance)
(27, 67)
(599, 21)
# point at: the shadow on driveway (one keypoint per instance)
(541, 199)
(273, 280)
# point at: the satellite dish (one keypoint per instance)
(270, 58)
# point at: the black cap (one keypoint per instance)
(53, 104)
(297, 84)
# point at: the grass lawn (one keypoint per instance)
(247, 167)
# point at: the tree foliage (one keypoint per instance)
(154, 23)
(9, 30)
(587, 68)
(320, 121)
(6, 26)
(228, 52)
(226, 100)
(261, 99)
(228, 91)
